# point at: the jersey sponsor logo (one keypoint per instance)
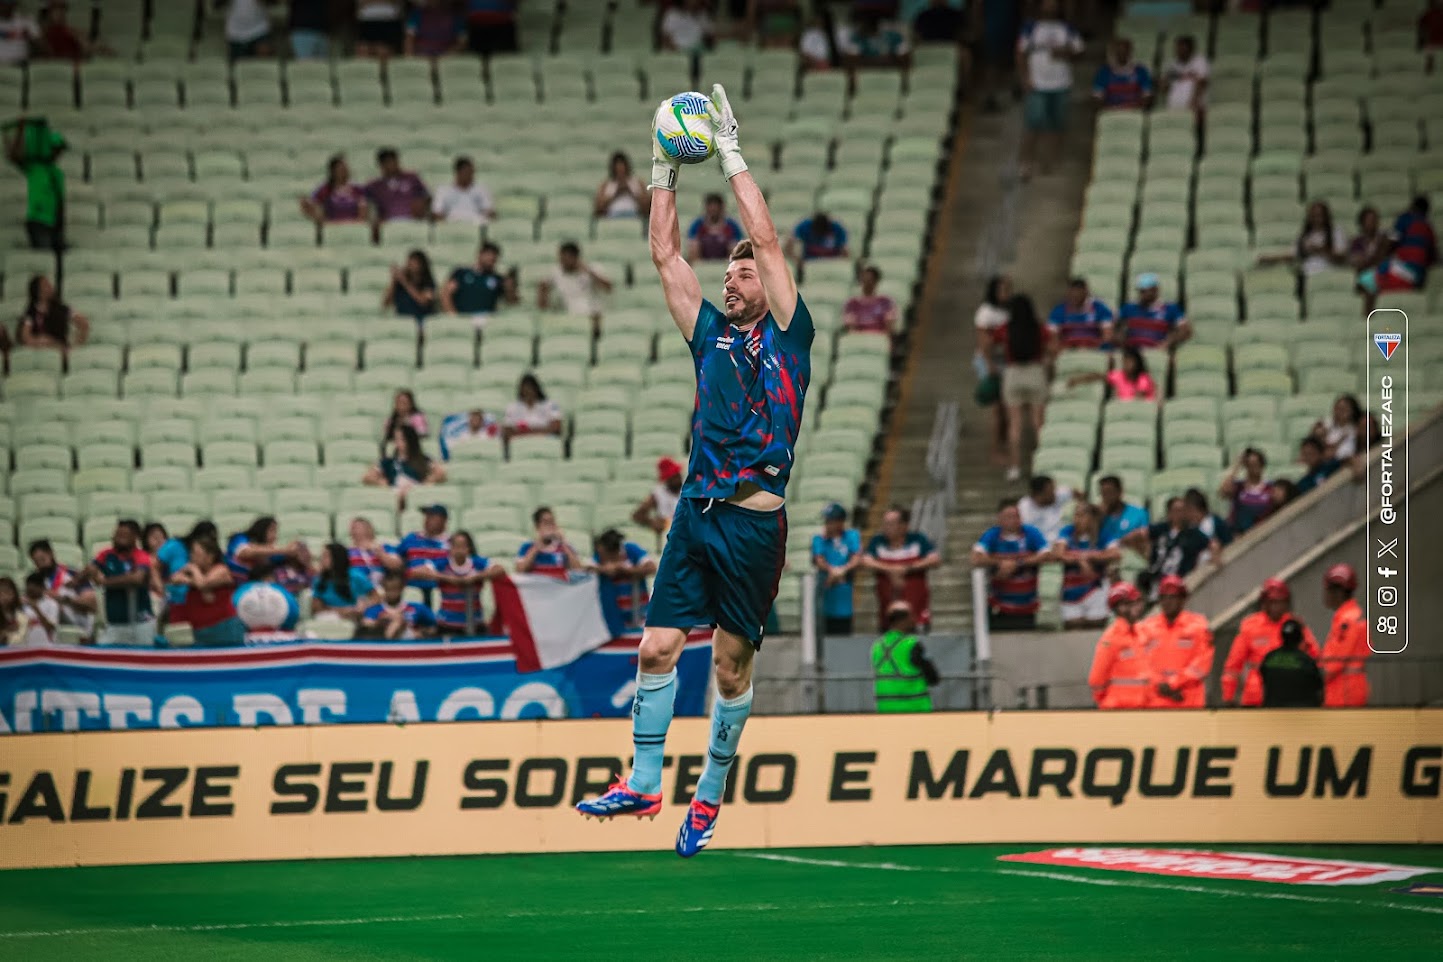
(724, 342)
(772, 470)
(1246, 866)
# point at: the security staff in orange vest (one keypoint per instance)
(1346, 651)
(1180, 649)
(1121, 676)
(1259, 634)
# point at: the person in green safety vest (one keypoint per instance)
(901, 670)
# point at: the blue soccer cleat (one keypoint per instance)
(620, 800)
(696, 828)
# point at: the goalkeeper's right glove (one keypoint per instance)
(664, 169)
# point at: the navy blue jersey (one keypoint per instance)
(750, 388)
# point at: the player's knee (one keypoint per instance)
(732, 677)
(659, 650)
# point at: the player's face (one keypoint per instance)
(743, 298)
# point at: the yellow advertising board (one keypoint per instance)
(331, 791)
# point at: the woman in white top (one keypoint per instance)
(991, 318)
(622, 193)
(1187, 77)
(1321, 245)
(531, 412)
(1339, 433)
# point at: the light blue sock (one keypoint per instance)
(728, 718)
(650, 716)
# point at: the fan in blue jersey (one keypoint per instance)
(724, 552)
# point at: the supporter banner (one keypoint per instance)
(70, 689)
(1104, 778)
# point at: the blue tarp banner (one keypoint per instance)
(293, 682)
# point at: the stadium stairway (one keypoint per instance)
(989, 223)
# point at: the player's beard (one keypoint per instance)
(746, 313)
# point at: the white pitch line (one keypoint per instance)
(1090, 880)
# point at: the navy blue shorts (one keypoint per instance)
(720, 567)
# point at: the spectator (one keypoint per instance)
(41, 613)
(260, 544)
(837, 554)
(577, 285)
(901, 559)
(1122, 521)
(412, 290)
(209, 602)
(942, 21)
(405, 464)
(1175, 547)
(1122, 83)
(1290, 675)
(491, 26)
(818, 236)
(1180, 649)
(397, 194)
(1321, 244)
(869, 311)
(870, 41)
(532, 413)
(1199, 515)
(1346, 648)
(712, 236)
(14, 624)
(404, 410)
(170, 555)
(1129, 381)
(1045, 51)
(380, 29)
(774, 23)
(622, 568)
(987, 356)
(1186, 77)
(1045, 506)
(464, 430)
(310, 26)
(1086, 558)
(76, 597)
(686, 26)
(122, 571)
(1370, 245)
(465, 200)
(393, 618)
(434, 29)
(369, 554)
(1258, 634)
(1120, 676)
(1080, 321)
(34, 147)
(1151, 322)
(1283, 492)
(1340, 432)
(656, 509)
(622, 193)
(18, 33)
(478, 292)
(461, 576)
(341, 590)
(60, 41)
(248, 29)
(1024, 377)
(1247, 488)
(901, 670)
(548, 552)
(48, 321)
(1412, 249)
(815, 45)
(1012, 552)
(424, 552)
(338, 200)
(1317, 466)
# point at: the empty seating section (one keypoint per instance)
(240, 362)
(1333, 106)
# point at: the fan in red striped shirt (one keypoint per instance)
(461, 577)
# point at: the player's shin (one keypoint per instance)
(651, 712)
(728, 718)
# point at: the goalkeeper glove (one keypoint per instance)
(663, 168)
(724, 125)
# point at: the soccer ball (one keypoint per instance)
(262, 607)
(684, 128)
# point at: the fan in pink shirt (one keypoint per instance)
(337, 199)
(870, 311)
(1127, 382)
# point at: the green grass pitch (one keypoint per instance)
(937, 903)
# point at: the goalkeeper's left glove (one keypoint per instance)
(724, 127)
(664, 169)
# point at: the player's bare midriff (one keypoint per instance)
(749, 495)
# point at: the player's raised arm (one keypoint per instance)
(776, 274)
(678, 280)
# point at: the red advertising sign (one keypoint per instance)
(1246, 866)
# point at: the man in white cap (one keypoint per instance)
(1149, 321)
